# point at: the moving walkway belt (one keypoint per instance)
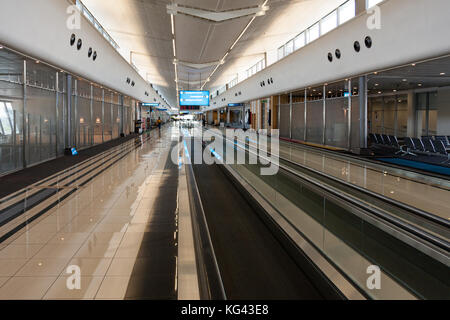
(254, 261)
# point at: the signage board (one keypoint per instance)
(194, 98)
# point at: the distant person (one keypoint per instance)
(159, 124)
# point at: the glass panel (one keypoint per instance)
(298, 121)
(41, 125)
(98, 122)
(289, 47)
(402, 116)
(329, 22)
(108, 122)
(116, 121)
(371, 3)
(336, 113)
(299, 41)
(347, 11)
(313, 33)
(280, 53)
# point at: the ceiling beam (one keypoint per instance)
(214, 16)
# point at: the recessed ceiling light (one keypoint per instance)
(394, 90)
(419, 84)
(1, 47)
(442, 73)
(404, 80)
(37, 61)
(413, 64)
(377, 84)
(375, 73)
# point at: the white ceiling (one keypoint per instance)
(143, 28)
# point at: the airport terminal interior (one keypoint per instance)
(224, 150)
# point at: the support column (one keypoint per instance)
(349, 115)
(68, 143)
(103, 115)
(363, 112)
(279, 113)
(305, 115)
(360, 6)
(92, 125)
(290, 115)
(411, 124)
(121, 101)
(56, 113)
(24, 118)
(324, 116)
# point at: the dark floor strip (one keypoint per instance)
(154, 272)
(252, 262)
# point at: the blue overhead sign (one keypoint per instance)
(152, 104)
(235, 104)
(194, 98)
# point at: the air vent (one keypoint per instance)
(95, 56)
(338, 53)
(330, 57)
(90, 52)
(357, 46)
(79, 44)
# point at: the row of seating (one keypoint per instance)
(412, 146)
(445, 139)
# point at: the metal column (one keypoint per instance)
(363, 112)
(57, 113)
(305, 115)
(349, 115)
(69, 119)
(92, 125)
(290, 115)
(324, 116)
(24, 118)
(103, 115)
(121, 101)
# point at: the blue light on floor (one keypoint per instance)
(417, 165)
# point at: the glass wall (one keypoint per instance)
(298, 115)
(34, 116)
(388, 114)
(108, 118)
(40, 113)
(61, 115)
(355, 119)
(336, 115)
(323, 120)
(97, 110)
(314, 115)
(83, 117)
(426, 113)
(285, 122)
(11, 111)
(116, 115)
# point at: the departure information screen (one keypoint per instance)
(194, 98)
(187, 108)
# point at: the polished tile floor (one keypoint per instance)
(100, 229)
